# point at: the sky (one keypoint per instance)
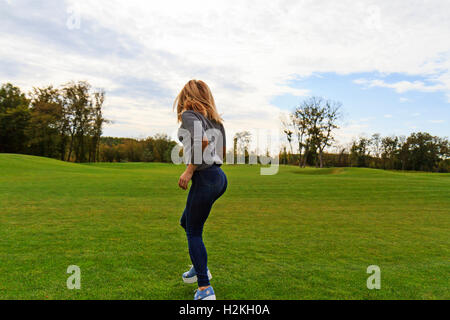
(386, 61)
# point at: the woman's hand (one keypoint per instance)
(186, 177)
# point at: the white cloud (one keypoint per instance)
(388, 116)
(436, 121)
(367, 119)
(403, 86)
(246, 51)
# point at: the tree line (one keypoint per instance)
(312, 125)
(67, 123)
(420, 152)
(64, 123)
(152, 149)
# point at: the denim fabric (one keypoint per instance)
(208, 185)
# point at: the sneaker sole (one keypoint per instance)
(194, 279)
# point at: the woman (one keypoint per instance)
(203, 137)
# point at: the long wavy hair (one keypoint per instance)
(197, 96)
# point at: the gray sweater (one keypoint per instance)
(194, 129)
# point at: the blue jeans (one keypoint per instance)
(207, 186)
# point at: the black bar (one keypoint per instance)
(233, 309)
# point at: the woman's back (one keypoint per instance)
(207, 130)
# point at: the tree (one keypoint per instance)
(423, 151)
(11, 97)
(360, 152)
(288, 131)
(331, 114)
(314, 121)
(84, 120)
(300, 122)
(45, 124)
(97, 125)
(52, 121)
(375, 142)
(242, 143)
(14, 119)
(389, 152)
(77, 105)
(162, 147)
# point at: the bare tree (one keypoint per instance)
(288, 131)
(300, 124)
(330, 116)
(315, 121)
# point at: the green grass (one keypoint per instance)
(301, 234)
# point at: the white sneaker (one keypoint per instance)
(191, 276)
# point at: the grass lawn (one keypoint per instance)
(301, 234)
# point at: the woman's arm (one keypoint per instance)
(190, 169)
(186, 176)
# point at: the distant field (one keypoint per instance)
(301, 234)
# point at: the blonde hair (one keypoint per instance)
(197, 96)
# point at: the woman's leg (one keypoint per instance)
(198, 212)
(186, 209)
(198, 207)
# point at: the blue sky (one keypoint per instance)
(377, 109)
(387, 62)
